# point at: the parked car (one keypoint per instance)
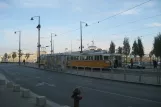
(137, 65)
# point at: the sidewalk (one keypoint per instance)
(140, 78)
(8, 98)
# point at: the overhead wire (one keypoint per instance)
(122, 12)
(113, 16)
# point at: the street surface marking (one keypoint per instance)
(43, 83)
(107, 92)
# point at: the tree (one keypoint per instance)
(27, 55)
(126, 47)
(135, 49)
(14, 55)
(5, 55)
(157, 45)
(119, 50)
(112, 48)
(9, 56)
(150, 55)
(140, 49)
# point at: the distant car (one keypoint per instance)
(137, 65)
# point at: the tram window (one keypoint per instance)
(81, 58)
(91, 57)
(85, 57)
(105, 57)
(71, 57)
(88, 58)
(101, 57)
(97, 57)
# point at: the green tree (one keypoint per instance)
(150, 56)
(157, 45)
(27, 55)
(14, 55)
(126, 47)
(135, 49)
(119, 50)
(112, 48)
(140, 48)
(5, 55)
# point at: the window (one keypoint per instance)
(105, 57)
(97, 57)
(101, 57)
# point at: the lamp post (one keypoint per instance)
(52, 44)
(19, 51)
(81, 33)
(38, 45)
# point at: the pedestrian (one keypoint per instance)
(156, 64)
(131, 61)
(24, 61)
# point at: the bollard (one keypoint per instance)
(2, 82)
(41, 101)
(25, 93)
(9, 85)
(16, 88)
(76, 96)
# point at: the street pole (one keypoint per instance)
(19, 50)
(38, 44)
(51, 44)
(39, 41)
(19, 46)
(81, 36)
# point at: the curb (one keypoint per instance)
(156, 85)
(32, 95)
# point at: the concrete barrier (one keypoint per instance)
(41, 101)
(25, 93)
(16, 88)
(9, 85)
(2, 82)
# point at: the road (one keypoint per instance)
(96, 92)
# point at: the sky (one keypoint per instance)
(63, 17)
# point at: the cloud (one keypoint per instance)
(155, 24)
(131, 12)
(36, 3)
(3, 5)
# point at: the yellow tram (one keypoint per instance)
(87, 59)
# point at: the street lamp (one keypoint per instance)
(19, 45)
(81, 33)
(52, 44)
(38, 45)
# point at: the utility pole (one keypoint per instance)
(19, 50)
(51, 44)
(81, 47)
(38, 44)
(19, 47)
(81, 36)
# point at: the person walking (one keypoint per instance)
(131, 61)
(24, 61)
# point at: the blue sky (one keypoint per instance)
(61, 16)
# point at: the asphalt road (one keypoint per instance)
(96, 92)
